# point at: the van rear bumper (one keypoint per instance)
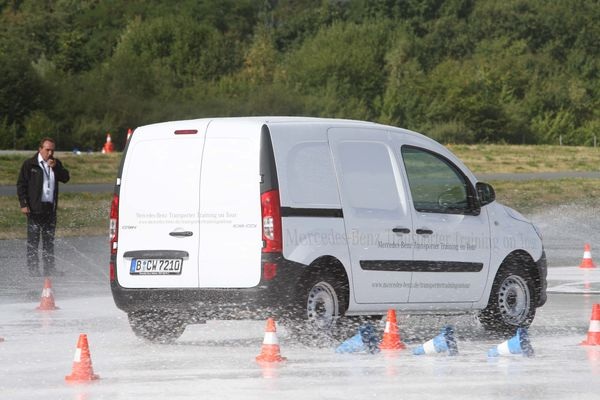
(277, 293)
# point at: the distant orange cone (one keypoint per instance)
(47, 301)
(108, 146)
(593, 336)
(391, 336)
(82, 363)
(129, 133)
(270, 347)
(587, 261)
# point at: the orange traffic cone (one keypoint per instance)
(587, 261)
(47, 301)
(593, 336)
(108, 146)
(129, 133)
(82, 363)
(391, 336)
(270, 347)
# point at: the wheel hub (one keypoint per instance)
(322, 306)
(514, 299)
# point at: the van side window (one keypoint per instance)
(369, 181)
(435, 184)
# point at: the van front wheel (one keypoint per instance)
(156, 326)
(512, 302)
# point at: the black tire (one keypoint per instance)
(512, 301)
(156, 326)
(318, 316)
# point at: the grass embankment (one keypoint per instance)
(489, 158)
(84, 168)
(87, 213)
(529, 196)
(79, 214)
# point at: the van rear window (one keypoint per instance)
(311, 175)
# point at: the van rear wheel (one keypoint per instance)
(318, 317)
(156, 326)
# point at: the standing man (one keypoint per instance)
(37, 188)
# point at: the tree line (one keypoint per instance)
(460, 71)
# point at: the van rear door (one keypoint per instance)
(158, 206)
(191, 191)
(230, 211)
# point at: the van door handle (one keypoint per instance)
(181, 233)
(424, 231)
(401, 230)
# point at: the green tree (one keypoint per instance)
(342, 63)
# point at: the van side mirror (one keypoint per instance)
(486, 193)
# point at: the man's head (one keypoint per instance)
(46, 149)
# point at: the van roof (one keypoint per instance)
(272, 120)
(283, 120)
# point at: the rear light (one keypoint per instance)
(114, 224)
(271, 222)
(186, 131)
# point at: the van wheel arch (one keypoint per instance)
(513, 297)
(333, 268)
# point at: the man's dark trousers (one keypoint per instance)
(42, 225)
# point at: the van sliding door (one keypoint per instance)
(376, 214)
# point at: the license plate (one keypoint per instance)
(156, 266)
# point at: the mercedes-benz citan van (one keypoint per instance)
(312, 220)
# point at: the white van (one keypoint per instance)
(319, 220)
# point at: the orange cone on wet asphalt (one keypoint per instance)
(82, 370)
(270, 351)
(391, 336)
(47, 301)
(593, 336)
(587, 262)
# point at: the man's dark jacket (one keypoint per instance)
(31, 181)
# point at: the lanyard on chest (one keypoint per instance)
(46, 174)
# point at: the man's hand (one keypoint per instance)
(51, 162)
(25, 210)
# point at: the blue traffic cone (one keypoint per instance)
(441, 343)
(365, 341)
(518, 344)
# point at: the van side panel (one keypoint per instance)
(230, 212)
(312, 218)
(304, 165)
